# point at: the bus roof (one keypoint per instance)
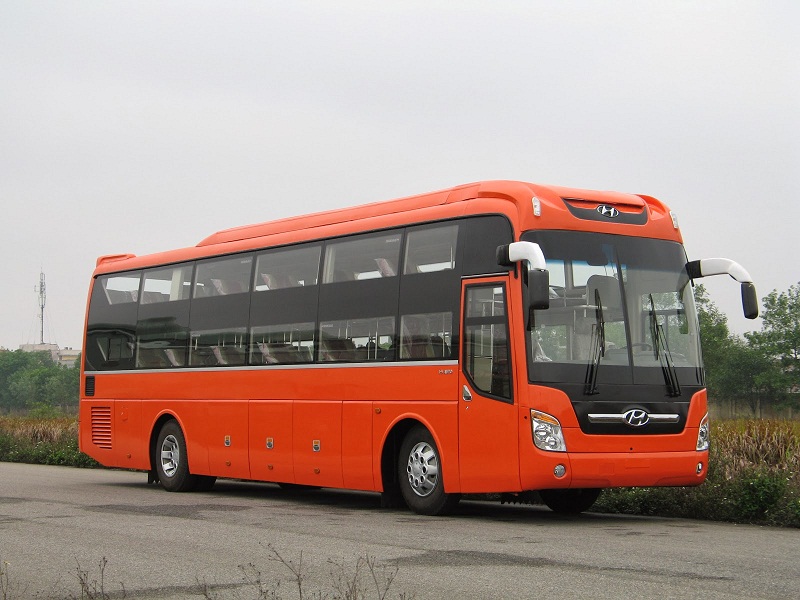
(560, 203)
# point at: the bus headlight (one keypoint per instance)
(703, 434)
(547, 432)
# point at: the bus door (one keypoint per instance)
(488, 450)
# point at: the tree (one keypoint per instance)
(716, 339)
(751, 376)
(32, 381)
(736, 369)
(779, 338)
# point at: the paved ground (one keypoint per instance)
(58, 524)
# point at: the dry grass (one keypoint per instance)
(743, 445)
(40, 430)
(753, 477)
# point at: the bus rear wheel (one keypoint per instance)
(570, 502)
(171, 460)
(419, 471)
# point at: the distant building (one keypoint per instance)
(65, 357)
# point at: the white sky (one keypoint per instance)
(144, 126)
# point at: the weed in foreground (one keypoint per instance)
(92, 589)
(8, 589)
(347, 583)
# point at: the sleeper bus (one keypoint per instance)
(497, 337)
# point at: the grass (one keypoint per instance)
(753, 476)
(44, 441)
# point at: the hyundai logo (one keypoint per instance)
(636, 417)
(608, 211)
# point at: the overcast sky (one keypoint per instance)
(144, 126)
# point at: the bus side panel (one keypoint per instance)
(131, 448)
(271, 440)
(227, 438)
(357, 446)
(317, 442)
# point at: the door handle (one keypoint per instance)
(466, 395)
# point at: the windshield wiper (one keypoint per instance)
(598, 347)
(662, 353)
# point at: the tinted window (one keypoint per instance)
(431, 249)
(359, 340)
(218, 347)
(111, 335)
(292, 267)
(221, 311)
(290, 343)
(283, 311)
(167, 285)
(162, 328)
(483, 236)
(223, 277)
(486, 351)
(426, 336)
(364, 257)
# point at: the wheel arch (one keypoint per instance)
(155, 430)
(390, 451)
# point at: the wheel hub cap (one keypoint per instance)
(170, 455)
(423, 469)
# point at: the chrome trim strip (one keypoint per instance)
(620, 418)
(290, 367)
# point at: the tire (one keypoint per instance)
(570, 502)
(171, 460)
(419, 471)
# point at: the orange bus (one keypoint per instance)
(496, 337)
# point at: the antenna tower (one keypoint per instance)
(41, 290)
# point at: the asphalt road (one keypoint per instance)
(57, 525)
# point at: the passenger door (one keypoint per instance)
(488, 449)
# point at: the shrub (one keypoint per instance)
(42, 441)
(753, 477)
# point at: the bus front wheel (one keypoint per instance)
(571, 501)
(419, 471)
(171, 460)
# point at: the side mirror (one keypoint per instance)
(537, 277)
(538, 289)
(749, 300)
(724, 266)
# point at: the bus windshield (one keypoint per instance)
(621, 312)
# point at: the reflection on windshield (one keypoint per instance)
(639, 286)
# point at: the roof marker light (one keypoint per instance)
(537, 207)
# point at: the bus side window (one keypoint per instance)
(282, 344)
(486, 341)
(357, 340)
(431, 249)
(286, 268)
(426, 336)
(111, 330)
(223, 277)
(371, 256)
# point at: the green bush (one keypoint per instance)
(42, 441)
(753, 477)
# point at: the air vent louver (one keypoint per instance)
(101, 427)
